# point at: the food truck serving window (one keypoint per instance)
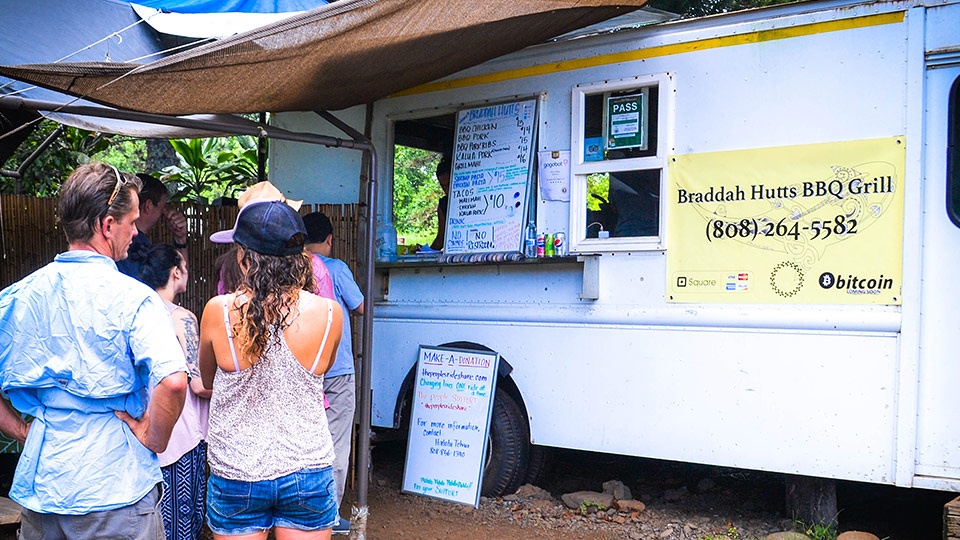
(482, 156)
(618, 159)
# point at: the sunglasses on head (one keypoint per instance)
(116, 189)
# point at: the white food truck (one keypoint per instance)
(762, 212)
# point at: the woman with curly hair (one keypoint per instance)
(263, 350)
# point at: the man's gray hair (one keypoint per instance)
(93, 191)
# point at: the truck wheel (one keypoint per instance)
(540, 460)
(509, 448)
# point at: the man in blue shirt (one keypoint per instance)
(92, 356)
(338, 384)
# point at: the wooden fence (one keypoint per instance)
(30, 237)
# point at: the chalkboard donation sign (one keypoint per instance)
(490, 178)
(449, 423)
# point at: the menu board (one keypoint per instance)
(490, 177)
(450, 423)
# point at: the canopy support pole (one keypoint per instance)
(364, 392)
(262, 152)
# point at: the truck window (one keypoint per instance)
(619, 160)
(419, 146)
(624, 204)
(953, 154)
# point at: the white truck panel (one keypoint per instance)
(813, 402)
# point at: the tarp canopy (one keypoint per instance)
(231, 6)
(343, 54)
(217, 18)
(98, 31)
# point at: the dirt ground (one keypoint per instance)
(683, 501)
(688, 502)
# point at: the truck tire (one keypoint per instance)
(509, 448)
(540, 460)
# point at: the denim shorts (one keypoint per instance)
(305, 500)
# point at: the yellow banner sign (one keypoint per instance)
(812, 224)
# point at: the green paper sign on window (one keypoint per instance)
(626, 121)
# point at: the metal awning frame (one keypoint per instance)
(235, 126)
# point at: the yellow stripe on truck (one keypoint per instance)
(663, 50)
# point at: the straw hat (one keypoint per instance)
(261, 192)
(267, 227)
(265, 191)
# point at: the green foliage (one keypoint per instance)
(126, 154)
(598, 190)
(730, 534)
(211, 168)
(701, 8)
(416, 193)
(818, 531)
(588, 507)
(72, 147)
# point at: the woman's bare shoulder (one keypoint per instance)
(311, 303)
(220, 299)
(213, 310)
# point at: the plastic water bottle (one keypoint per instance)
(386, 242)
(530, 241)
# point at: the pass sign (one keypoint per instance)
(625, 125)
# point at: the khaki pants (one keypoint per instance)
(341, 392)
(139, 521)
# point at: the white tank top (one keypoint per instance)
(268, 420)
(191, 427)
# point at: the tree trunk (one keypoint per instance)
(160, 154)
